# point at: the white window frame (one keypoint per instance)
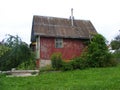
(58, 42)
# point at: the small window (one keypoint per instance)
(59, 43)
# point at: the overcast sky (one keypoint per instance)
(16, 15)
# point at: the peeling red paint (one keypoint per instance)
(71, 48)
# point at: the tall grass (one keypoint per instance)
(89, 79)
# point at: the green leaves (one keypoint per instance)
(3, 50)
(115, 44)
(98, 54)
(56, 59)
(14, 52)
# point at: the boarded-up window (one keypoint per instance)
(59, 43)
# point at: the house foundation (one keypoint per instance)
(44, 63)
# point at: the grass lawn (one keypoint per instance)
(89, 79)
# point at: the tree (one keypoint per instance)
(3, 49)
(115, 44)
(19, 52)
(98, 54)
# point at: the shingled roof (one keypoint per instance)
(61, 27)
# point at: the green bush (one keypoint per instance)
(56, 60)
(17, 53)
(97, 52)
(79, 63)
(3, 50)
(28, 65)
(66, 66)
(116, 55)
(76, 63)
(113, 62)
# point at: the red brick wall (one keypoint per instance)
(71, 48)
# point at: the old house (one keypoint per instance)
(52, 34)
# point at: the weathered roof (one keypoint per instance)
(61, 27)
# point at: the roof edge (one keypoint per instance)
(59, 17)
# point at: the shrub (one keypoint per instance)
(3, 50)
(16, 53)
(116, 55)
(114, 59)
(27, 65)
(67, 66)
(97, 52)
(56, 59)
(79, 63)
(76, 63)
